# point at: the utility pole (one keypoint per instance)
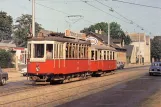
(33, 18)
(139, 48)
(109, 34)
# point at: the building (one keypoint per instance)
(118, 44)
(141, 44)
(7, 44)
(16, 51)
(101, 39)
(131, 54)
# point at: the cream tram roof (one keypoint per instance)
(102, 47)
(59, 37)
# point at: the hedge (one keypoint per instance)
(5, 59)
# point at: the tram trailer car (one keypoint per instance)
(61, 58)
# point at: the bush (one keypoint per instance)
(5, 59)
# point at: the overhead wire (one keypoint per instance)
(137, 4)
(131, 22)
(59, 11)
(86, 1)
(104, 11)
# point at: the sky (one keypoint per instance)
(56, 19)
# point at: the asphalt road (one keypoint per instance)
(129, 94)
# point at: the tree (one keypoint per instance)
(5, 26)
(22, 29)
(115, 30)
(156, 48)
(127, 40)
(5, 59)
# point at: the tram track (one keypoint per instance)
(103, 85)
(28, 88)
(19, 90)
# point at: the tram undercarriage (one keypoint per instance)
(61, 78)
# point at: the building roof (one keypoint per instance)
(104, 39)
(135, 37)
(116, 40)
(129, 49)
(44, 33)
(7, 43)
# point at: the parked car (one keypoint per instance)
(3, 77)
(24, 71)
(155, 69)
(120, 65)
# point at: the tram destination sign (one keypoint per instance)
(72, 34)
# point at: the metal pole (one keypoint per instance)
(109, 34)
(139, 48)
(33, 18)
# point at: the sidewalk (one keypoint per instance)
(135, 65)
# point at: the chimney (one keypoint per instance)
(96, 31)
(100, 32)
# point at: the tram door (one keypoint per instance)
(58, 57)
(99, 60)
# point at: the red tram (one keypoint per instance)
(59, 58)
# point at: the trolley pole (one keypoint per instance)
(109, 34)
(33, 18)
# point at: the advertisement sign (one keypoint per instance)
(93, 40)
(69, 33)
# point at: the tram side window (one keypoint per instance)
(72, 51)
(38, 50)
(95, 55)
(113, 55)
(61, 51)
(107, 55)
(104, 55)
(68, 50)
(76, 51)
(49, 51)
(55, 51)
(92, 55)
(110, 55)
(86, 51)
(100, 54)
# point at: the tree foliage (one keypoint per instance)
(5, 26)
(127, 40)
(115, 31)
(156, 48)
(22, 29)
(5, 59)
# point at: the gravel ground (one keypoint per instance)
(53, 95)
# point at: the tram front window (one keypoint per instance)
(38, 50)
